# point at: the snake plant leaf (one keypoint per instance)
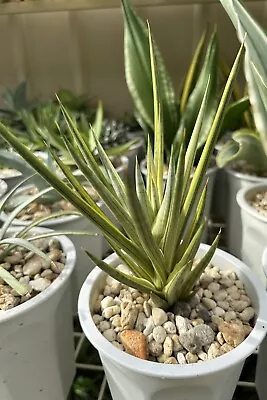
(245, 145)
(142, 194)
(16, 99)
(234, 114)
(256, 46)
(139, 78)
(208, 74)
(149, 245)
(97, 126)
(121, 149)
(193, 72)
(152, 191)
(140, 284)
(19, 287)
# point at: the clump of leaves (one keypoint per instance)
(162, 224)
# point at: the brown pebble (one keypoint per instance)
(135, 343)
(232, 333)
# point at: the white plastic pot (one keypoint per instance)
(94, 244)
(36, 341)
(130, 377)
(254, 230)
(3, 188)
(210, 174)
(236, 181)
(261, 382)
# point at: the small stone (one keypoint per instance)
(147, 309)
(191, 358)
(202, 355)
(194, 314)
(35, 265)
(196, 338)
(226, 282)
(103, 326)
(200, 292)
(149, 326)
(140, 322)
(40, 284)
(245, 298)
(229, 316)
(57, 267)
(116, 320)
(115, 286)
(171, 360)
(55, 254)
(162, 358)
(218, 311)
(220, 338)
(225, 348)
(176, 343)
(207, 293)
(149, 338)
(220, 295)
(97, 318)
(203, 313)
(239, 284)
(107, 302)
(205, 280)
(214, 350)
(168, 346)
(110, 335)
(48, 274)
(110, 311)
(37, 276)
(198, 321)
(53, 243)
(232, 289)
(118, 345)
(135, 343)
(181, 358)
(247, 330)
(129, 314)
(182, 324)
(239, 305)
(247, 314)
(232, 333)
(194, 300)
(234, 296)
(214, 287)
(140, 300)
(155, 348)
(159, 334)
(214, 274)
(224, 305)
(182, 308)
(169, 327)
(14, 259)
(159, 316)
(209, 303)
(6, 266)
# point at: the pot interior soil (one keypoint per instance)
(215, 320)
(37, 210)
(244, 168)
(31, 269)
(259, 202)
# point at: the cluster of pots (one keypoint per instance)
(36, 338)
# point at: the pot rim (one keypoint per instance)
(242, 200)
(164, 370)
(264, 261)
(69, 250)
(246, 177)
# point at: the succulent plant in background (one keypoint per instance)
(248, 147)
(179, 112)
(161, 228)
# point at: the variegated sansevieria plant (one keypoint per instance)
(161, 224)
(250, 145)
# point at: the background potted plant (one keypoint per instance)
(159, 251)
(35, 272)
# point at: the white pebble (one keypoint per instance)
(159, 316)
(40, 284)
(149, 338)
(176, 343)
(207, 293)
(191, 358)
(239, 284)
(220, 338)
(149, 326)
(214, 351)
(181, 324)
(202, 355)
(219, 311)
(107, 290)
(110, 335)
(147, 309)
(155, 348)
(170, 360)
(118, 345)
(214, 287)
(209, 303)
(159, 334)
(229, 316)
(107, 302)
(103, 326)
(220, 295)
(214, 274)
(168, 346)
(140, 322)
(239, 305)
(97, 318)
(110, 311)
(247, 314)
(227, 282)
(224, 305)
(116, 321)
(169, 327)
(181, 358)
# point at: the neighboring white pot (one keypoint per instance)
(210, 174)
(12, 180)
(254, 230)
(261, 382)
(211, 380)
(36, 340)
(94, 244)
(3, 188)
(236, 181)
